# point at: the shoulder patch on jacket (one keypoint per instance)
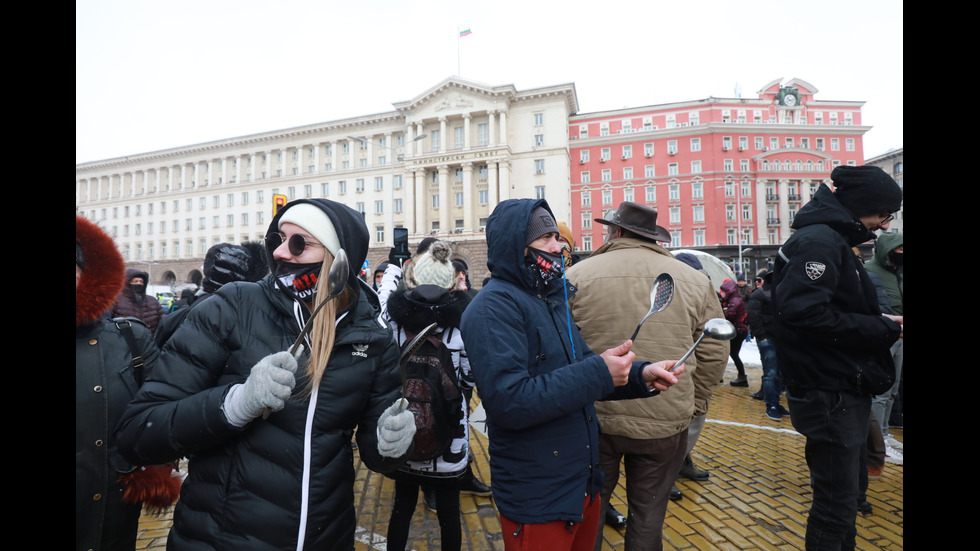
(815, 269)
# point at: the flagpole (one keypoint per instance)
(457, 52)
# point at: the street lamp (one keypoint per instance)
(391, 194)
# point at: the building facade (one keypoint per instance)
(725, 175)
(437, 165)
(893, 162)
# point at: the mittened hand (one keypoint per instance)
(269, 384)
(396, 429)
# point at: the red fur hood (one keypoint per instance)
(102, 277)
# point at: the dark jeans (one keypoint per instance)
(836, 428)
(447, 509)
(772, 382)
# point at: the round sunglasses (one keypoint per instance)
(297, 243)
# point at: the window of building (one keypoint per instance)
(627, 173)
(539, 166)
(672, 147)
(586, 177)
(628, 194)
(675, 215)
(586, 220)
(379, 183)
(435, 201)
(651, 194)
(435, 140)
(604, 154)
(835, 144)
(698, 214)
(649, 171)
(379, 207)
(458, 196)
(484, 197)
(648, 150)
(398, 205)
(458, 137)
(586, 197)
(538, 119)
(606, 197)
(695, 167)
(672, 169)
(359, 185)
(539, 192)
(627, 152)
(696, 143)
(607, 175)
(482, 136)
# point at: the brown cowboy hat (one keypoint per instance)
(639, 219)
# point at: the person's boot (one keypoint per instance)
(688, 470)
(741, 380)
(614, 518)
(675, 493)
(472, 485)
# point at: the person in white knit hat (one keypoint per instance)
(429, 294)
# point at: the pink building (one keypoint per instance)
(714, 168)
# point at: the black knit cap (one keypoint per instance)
(542, 222)
(865, 190)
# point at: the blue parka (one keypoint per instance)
(537, 380)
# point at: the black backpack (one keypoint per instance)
(433, 394)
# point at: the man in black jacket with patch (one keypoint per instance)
(832, 341)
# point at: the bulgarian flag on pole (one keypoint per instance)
(467, 32)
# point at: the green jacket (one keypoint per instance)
(891, 275)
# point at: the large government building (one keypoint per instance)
(726, 175)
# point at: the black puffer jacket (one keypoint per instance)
(829, 332)
(284, 482)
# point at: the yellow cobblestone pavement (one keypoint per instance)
(757, 495)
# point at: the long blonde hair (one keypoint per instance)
(323, 333)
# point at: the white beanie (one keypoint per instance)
(432, 268)
(314, 220)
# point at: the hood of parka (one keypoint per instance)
(507, 229)
(102, 276)
(349, 225)
(887, 242)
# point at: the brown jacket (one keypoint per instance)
(612, 296)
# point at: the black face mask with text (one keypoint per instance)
(548, 265)
(299, 279)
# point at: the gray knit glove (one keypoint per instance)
(396, 429)
(268, 386)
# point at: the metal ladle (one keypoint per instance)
(661, 293)
(336, 283)
(716, 328)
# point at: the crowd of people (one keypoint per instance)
(280, 372)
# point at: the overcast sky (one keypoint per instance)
(154, 75)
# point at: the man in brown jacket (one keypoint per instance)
(613, 286)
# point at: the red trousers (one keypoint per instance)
(554, 536)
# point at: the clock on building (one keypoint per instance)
(789, 97)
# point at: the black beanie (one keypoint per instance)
(865, 190)
(542, 222)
